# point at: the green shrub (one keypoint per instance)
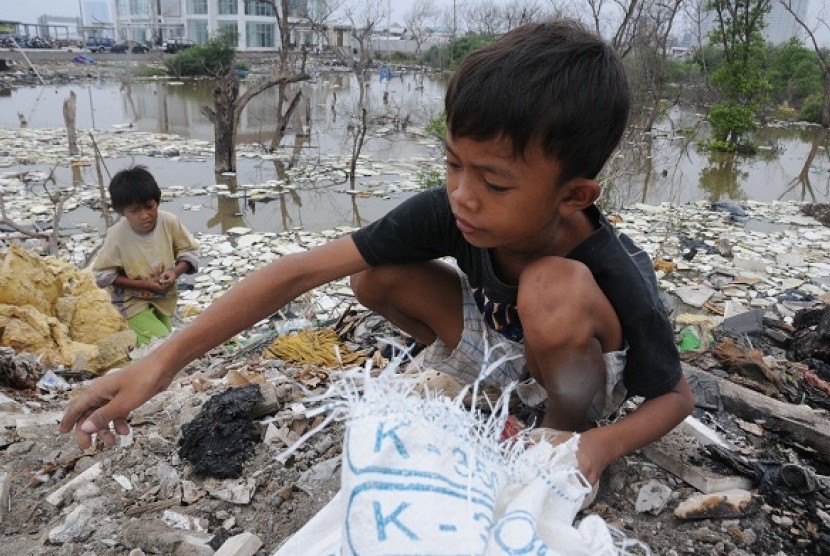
(811, 109)
(213, 59)
(708, 56)
(149, 71)
(794, 72)
(441, 57)
(785, 112)
(437, 126)
(681, 70)
(468, 43)
(430, 178)
(401, 57)
(731, 121)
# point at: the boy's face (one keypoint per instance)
(502, 201)
(142, 216)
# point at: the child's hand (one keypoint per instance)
(592, 455)
(168, 278)
(155, 286)
(109, 400)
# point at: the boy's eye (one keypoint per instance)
(451, 164)
(495, 188)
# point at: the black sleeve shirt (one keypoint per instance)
(422, 228)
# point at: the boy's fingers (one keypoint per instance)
(107, 436)
(84, 440)
(102, 417)
(121, 426)
(74, 413)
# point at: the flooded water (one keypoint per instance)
(793, 164)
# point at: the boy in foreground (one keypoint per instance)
(531, 120)
(143, 255)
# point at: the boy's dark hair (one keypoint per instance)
(553, 82)
(133, 185)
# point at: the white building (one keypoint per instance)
(96, 13)
(252, 23)
(780, 24)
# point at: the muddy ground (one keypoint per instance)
(139, 485)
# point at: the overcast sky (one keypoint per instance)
(27, 11)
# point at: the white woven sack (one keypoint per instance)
(428, 476)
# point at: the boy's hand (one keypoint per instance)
(592, 455)
(155, 286)
(168, 278)
(109, 399)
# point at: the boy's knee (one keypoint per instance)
(369, 285)
(555, 288)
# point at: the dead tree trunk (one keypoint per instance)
(223, 117)
(102, 189)
(283, 117)
(227, 109)
(69, 111)
(357, 146)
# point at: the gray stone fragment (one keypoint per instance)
(168, 480)
(188, 548)
(744, 323)
(191, 492)
(793, 260)
(652, 498)
(88, 475)
(695, 296)
(235, 491)
(19, 448)
(5, 486)
(321, 471)
(752, 265)
(76, 526)
(150, 537)
(244, 544)
(86, 490)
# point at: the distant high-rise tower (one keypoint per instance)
(781, 25)
(97, 12)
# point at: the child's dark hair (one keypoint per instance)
(553, 82)
(133, 185)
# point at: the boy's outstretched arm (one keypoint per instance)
(111, 398)
(653, 419)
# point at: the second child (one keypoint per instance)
(143, 255)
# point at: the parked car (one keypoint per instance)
(122, 46)
(99, 44)
(175, 44)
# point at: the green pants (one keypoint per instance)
(148, 324)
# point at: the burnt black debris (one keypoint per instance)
(222, 437)
(819, 211)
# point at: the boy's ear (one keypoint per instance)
(578, 194)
